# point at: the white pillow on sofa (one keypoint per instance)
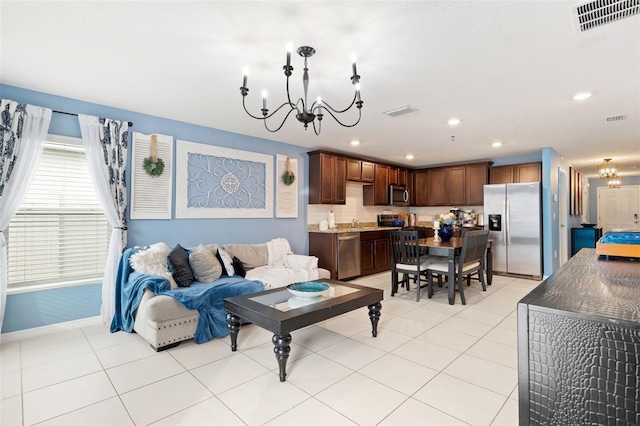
(153, 261)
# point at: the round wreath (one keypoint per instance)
(288, 178)
(153, 169)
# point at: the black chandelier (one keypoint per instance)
(305, 113)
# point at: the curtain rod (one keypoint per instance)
(73, 113)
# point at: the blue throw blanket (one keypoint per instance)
(206, 298)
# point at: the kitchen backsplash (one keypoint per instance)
(354, 209)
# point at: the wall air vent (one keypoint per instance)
(590, 15)
(614, 118)
(405, 109)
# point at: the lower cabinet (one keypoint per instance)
(375, 252)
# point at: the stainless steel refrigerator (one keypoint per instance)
(512, 213)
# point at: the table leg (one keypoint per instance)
(374, 315)
(451, 278)
(489, 265)
(233, 325)
(282, 349)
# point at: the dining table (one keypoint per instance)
(451, 250)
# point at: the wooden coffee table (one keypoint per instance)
(278, 311)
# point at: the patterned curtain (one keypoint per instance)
(105, 142)
(23, 129)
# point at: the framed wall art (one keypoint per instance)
(217, 182)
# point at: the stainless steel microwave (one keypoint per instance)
(398, 195)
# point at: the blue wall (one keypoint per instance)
(25, 310)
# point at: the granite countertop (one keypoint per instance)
(343, 230)
(364, 227)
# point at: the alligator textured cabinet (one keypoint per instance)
(579, 345)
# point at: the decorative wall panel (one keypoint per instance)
(217, 182)
(151, 196)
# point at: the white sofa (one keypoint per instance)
(164, 322)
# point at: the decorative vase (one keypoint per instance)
(445, 232)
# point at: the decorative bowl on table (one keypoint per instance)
(397, 222)
(308, 288)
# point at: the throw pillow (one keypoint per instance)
(153, 261)
(238, 267)
(178, 262)
(206, 267)
(227, 261)
(251, 255)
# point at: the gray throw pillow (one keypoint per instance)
(205, 265)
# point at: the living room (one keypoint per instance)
(60, 307)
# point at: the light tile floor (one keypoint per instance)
(431, 364)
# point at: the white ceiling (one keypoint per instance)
(507, 69)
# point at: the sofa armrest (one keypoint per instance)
(299, 261)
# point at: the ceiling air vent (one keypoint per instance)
(587, 16)
(405, 109)
(614, 118)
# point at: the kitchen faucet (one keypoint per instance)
(355, 223)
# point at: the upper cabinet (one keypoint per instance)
(327, 178)
(517, 173)
(377, 194)
(460, 185)
(477, 176)
(368, 170)
(354, 170)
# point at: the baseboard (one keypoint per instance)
(48, 329)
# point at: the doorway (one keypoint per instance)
(563, 197)
(618, 208)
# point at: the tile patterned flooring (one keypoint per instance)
(431, 364)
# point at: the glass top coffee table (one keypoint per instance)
(280, 312)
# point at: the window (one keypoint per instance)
(60, 234)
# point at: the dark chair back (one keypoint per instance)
(404, 247)
(473, 247)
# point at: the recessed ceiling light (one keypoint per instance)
(453, 121)
(354, 142)
(496, 144)
(582, 96)
(409, 157)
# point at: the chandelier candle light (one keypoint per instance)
(305, 113)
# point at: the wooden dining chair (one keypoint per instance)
(470, 261)
(407, 260)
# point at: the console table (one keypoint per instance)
(579, 345)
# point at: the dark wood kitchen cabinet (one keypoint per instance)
(354, 170)
(420, 188)
(455, 186)
(377, 194)
(375, 252)
(368, 170)
(436, 187)
(476, 176)
(516, 173)
(394, 176)
(327, 178)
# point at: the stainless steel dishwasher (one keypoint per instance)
(348, 255)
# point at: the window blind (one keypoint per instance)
(60, 233)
